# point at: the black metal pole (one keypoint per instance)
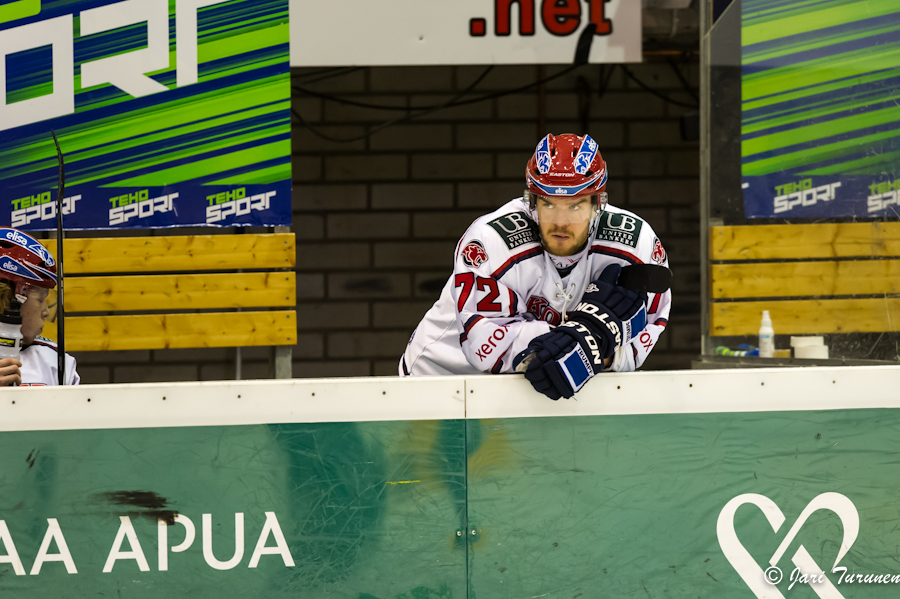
(60, 311)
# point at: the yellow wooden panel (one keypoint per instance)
(161, 331)
(835, 240)
(807, 317)
(786, 279)
(180, 292)
(177, 253)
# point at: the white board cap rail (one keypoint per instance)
(372, 399)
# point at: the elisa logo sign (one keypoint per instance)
(764, 583)
(413, 32)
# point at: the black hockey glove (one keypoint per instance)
(613, 313)
(560, 362)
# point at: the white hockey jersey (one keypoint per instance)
(40, 365)
(505, 291)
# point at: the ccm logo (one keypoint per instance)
(487, 348)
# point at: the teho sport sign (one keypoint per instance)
(158, 105)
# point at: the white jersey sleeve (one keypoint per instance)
(40, 365)
(491, 315)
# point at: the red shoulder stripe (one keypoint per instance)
(536, 251)
(608, 251)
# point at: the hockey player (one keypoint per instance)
(27, 273)
(535, 283)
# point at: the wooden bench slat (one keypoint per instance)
(180, 292)
(177, 253)
(786, 279)
(807, 317)
(834, 240)
(162, 331)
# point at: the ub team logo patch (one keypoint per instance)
(474, 254)
(659, 253)
(619, 228)
(516, 229)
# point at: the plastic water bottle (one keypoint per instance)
(11, 332)
(766, 337)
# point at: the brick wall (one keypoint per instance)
(377, 219)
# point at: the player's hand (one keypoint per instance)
(9, 372)
(560, 362)
(614, 314)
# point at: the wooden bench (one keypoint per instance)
(169, 292)
(813, 279)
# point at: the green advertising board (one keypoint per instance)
(646, 485)
(820, 124)
(169, 113)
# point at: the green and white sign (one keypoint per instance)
(764, 484)
(820, 124)
(168, 112)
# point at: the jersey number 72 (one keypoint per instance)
(468, 281)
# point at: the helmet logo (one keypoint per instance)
(16, 237)
(585, 156)
(542, 156)
(561, 191)
(9, 265)
(42, 252)
(473, 254)
(29, 243)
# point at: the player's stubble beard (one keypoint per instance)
(573, 243)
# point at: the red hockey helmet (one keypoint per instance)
(567, 166)
(24, 261)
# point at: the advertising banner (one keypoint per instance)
(433, 32)
(734, 506)
(234, 490)
(820, 127)
(638, 487)
(281, 510)
(168, 113)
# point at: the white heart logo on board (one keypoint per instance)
(749, 570)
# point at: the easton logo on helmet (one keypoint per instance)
(474, 254)
(568, 190)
